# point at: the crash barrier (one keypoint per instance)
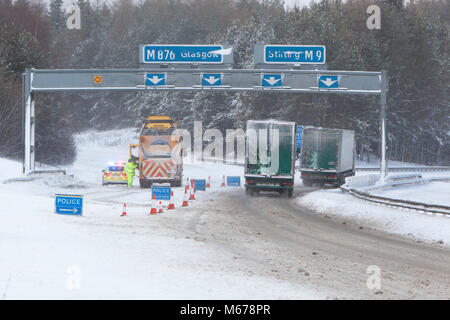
(403, 177)
(361, 181)
(364, 194)
(407, 169)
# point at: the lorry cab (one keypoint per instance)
(159, 152)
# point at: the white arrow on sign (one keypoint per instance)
(211, 80)
(74, 210)
(272, 80)
(222, 52)
(328, 82)
(155, 79)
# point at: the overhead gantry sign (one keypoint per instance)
(206, 67)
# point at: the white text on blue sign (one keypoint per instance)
(182, 54)
(294, 54)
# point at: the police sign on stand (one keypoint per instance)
(200, 184)
(294, 54)
(211, 79)
(271, 80)
(180, 53)
(328, 82)
(161, 191)
(233, 181)
(155, 79)
(69, 204)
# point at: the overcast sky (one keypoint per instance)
(299, 3)
(289, 3)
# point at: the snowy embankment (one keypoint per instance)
(103, 255)
(431, 193)
(421, 226)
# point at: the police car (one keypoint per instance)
(114, 173)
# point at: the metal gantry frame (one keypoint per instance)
(189, 79)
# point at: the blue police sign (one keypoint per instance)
(295, 54)
(155, 79)
(328, 82)
(211, 79)
(161, 191)
(233, 181)
(271, 80)
(299, 136)
(200, 184)
(69, 204)
(167, 53)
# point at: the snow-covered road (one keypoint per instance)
(103, 255)
(224, 245)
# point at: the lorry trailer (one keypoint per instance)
(270, 157)
(327, 156)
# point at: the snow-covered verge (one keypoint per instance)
(431, 193)
(430, 228)
(102, 255)
(10, 169)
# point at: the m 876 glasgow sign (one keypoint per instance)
(166, 53)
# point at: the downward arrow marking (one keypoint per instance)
(211, 80)
(155, 79)
(272, 80)
(328, 81)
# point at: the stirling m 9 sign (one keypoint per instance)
(294, 54)
(187, 54)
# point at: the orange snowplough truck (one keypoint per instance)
(159, 152)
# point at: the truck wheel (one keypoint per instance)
(144, 184)
(290, 193)
(176, 183)
(340, 181)
(307, 183)
(249, 192)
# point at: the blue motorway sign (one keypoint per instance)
(271, 80)
(168, 53)
(161, 191)
(299, 137)
(200, 184)
(328, 82)
(233, 181)
(211, 79)
(296, 54)
(69, 204)
(155, 79)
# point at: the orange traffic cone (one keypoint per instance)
(160, 207)
(154, 210)
(187, 182)
(223, 182)
(185, 199)
(208, 184)
(171, 204)
(192, 183)
(192, 195)
(124, 211)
